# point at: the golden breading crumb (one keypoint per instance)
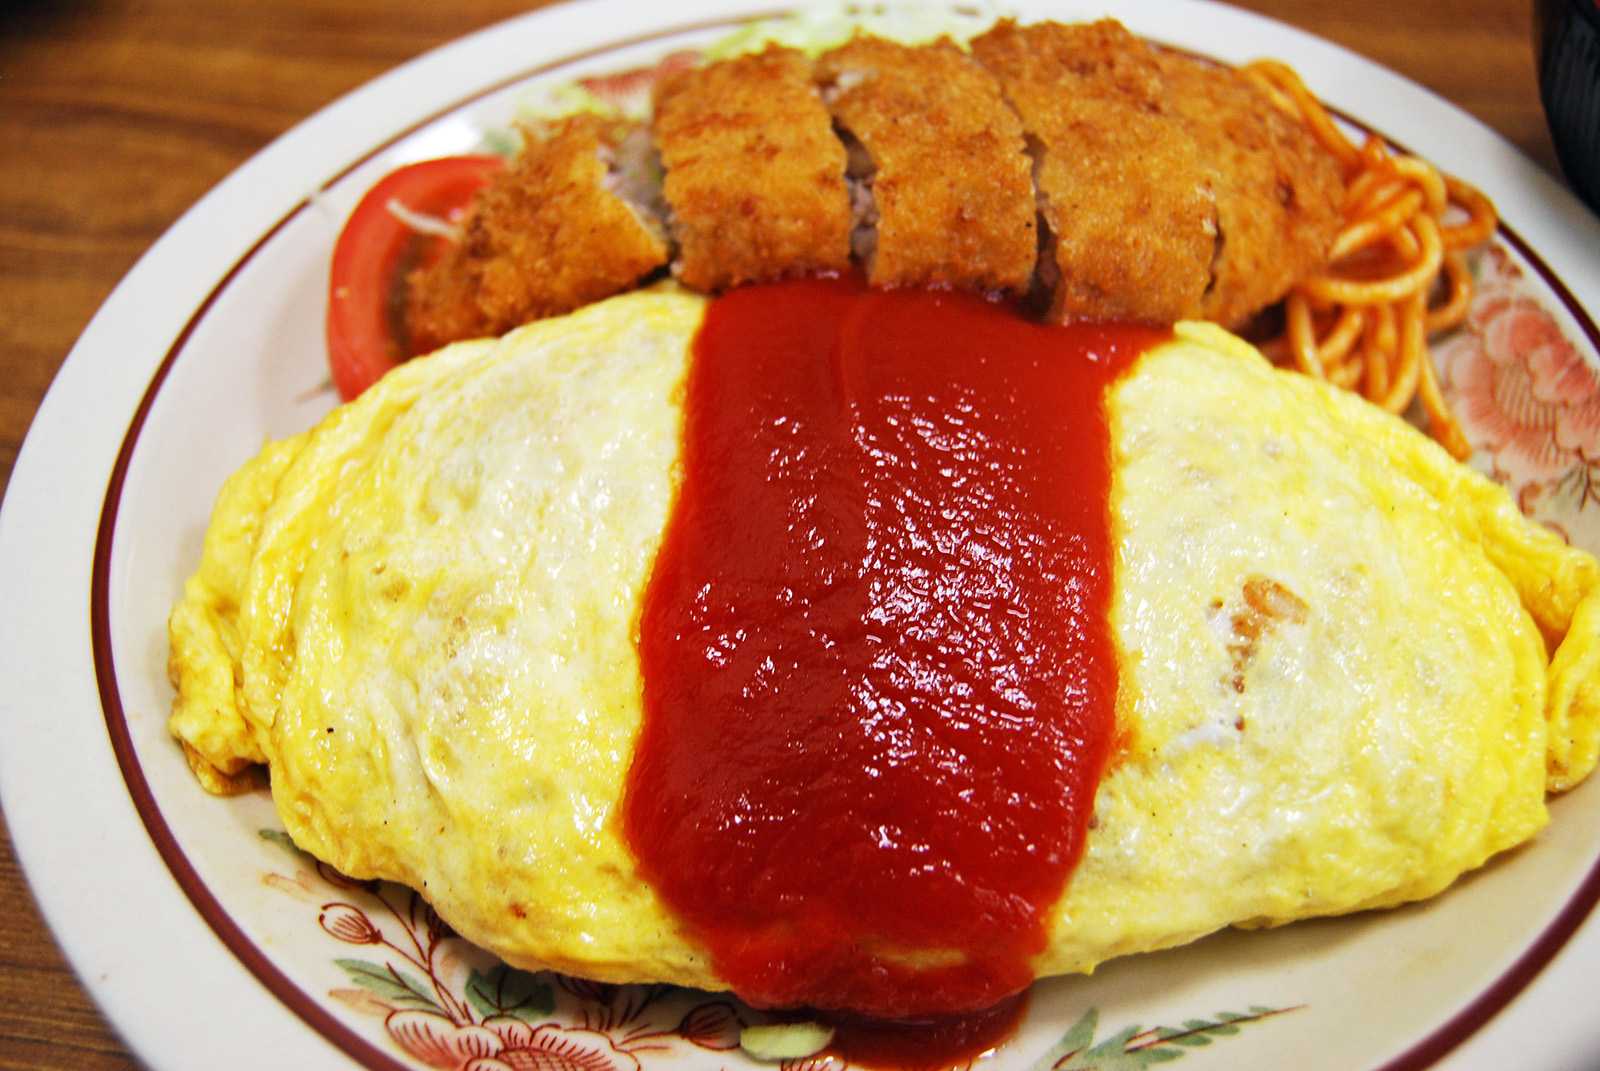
(951, 181)
(1122, 181)
(1168, 187)
(1278, 192)
(546, 237)
(754, 173)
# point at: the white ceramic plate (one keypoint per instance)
(209, 942)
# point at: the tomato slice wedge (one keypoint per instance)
(375, 252)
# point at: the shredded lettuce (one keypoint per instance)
(813, 30)
(557, 100)
(820, 27)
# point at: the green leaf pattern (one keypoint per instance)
(283, 840)
(507, 991)
(502, 991)
(1133, 1048)
(398, 987)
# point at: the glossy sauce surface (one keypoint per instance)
(879, 680)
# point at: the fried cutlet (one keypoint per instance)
(549, 235)
(1278, 192)
(754, 174)
(937, 163)
(1121, 180)
(1113, 179)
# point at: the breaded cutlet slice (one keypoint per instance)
(547, 236)
(942, 166)
(1278, 191)
(1122, 183)
(754, 173)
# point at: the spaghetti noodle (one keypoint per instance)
(1397, 271)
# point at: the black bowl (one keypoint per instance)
(1567, 44)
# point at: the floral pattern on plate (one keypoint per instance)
(1527, 399)
(453, 1007)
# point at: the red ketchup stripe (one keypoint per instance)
(879, 679)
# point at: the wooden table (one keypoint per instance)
(116, 116)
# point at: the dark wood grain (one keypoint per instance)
(117, 115)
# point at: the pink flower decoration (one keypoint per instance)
(504, 1043)
(586, 989)
(349, 924)
(438, 1042)
(714, 1025)
(1521, 390)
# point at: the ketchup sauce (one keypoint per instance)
(939, 1044)
(879, 681)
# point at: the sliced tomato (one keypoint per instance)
(375, 252)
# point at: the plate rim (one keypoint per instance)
(41, 867)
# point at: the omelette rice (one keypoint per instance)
(1351, 670)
